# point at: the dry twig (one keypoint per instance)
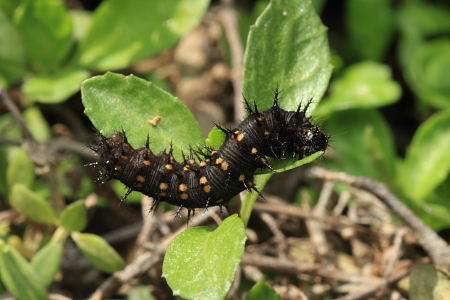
(435, 246)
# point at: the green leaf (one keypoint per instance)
(215, 139)
(18, 275)
(288, 164)
(427, 160)
(370, 24)
(47, 30)
(262, 291)
(140, 292)
(47, 260)
(429, 283)
(201, 262)
(32, 205)
(418, 22)
(434, 207)
(12, 52)
(364, 85)
(318, 5)
(364, 145)
(74, 216)
(55, 87)
(423, 18)
(37, 124)
(8, 6)
(123, 32)
(287, 47)
(428, 73)
(98, 252)
(114, 102)
(20, 169)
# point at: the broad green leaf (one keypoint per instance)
(98, 252)
(114, 102)
(429, 282)
(364, 85)
(364, 145)
(215, 139)
(12, 52)
(47, 260)
(38, 125)
(262, 291)
(20, 169)
(418, 22)
(123, 32)
(55, 87)
(32, 205)
(287, 47)
(201, 262)
(47, 30)
(140, 292)
(74, 216)
(18, 276)
(370, 24)
(428, 73)
(427, 161)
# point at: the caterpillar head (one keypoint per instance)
(313, 139)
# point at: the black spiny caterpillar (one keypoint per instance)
(219, 175)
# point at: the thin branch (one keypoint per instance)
(294, 211)
(296, 268)
(378, 286)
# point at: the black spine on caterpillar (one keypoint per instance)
(224, 173)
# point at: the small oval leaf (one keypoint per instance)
(363, 85)
(47, 260)
(55, 87)
(74, 217)
(99, 253)
(20, 169)
(32, 205)
(19, 277)
(201, 262)
(262, 291)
